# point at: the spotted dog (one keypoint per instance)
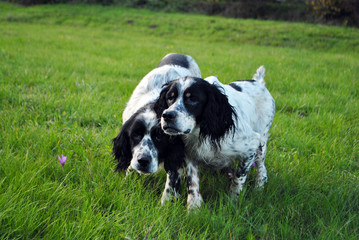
(141, 144)
(220, 125)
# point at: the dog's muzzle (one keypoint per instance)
(169, 124)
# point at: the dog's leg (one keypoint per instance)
(194, 199)
(241, 175)
(261, 169)
(172, 186)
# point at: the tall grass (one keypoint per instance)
(66, 73)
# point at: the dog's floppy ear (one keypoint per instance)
(161, 103)
(217, 117)
(122, 149)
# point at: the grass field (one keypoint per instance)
(66, 73)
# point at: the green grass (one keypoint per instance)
(66, 73)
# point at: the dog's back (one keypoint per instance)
(171, 67)
(181, 60)
(252, 101)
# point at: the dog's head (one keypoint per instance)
(188, 103)
(142, 144)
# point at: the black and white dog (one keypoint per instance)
(141, 144)
(219, 124)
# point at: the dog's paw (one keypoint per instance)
(260, 182)
(194, 202)
(166, 197)
(235, 189)
(169, 196)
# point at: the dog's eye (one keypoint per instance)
(171, 97)
(191, 98)
(137, 136)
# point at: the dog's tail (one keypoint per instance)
(259, 75)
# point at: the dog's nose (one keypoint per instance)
(144, 161)
(169, 115)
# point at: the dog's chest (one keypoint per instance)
(231, 149)
(204, 153)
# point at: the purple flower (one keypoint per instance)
(62, 160)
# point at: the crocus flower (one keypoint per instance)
(62, 160)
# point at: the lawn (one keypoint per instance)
(66, 72)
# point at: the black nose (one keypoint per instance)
(169, 115)
(144, 161)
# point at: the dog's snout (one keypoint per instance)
(144, 161)
(169, 115)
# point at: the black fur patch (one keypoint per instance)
(218, 116)
(175, 180)
(251, 81)
(174, 59)
(238, 88)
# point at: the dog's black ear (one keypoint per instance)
(161, 103)
(217, 117)
(122, 149)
